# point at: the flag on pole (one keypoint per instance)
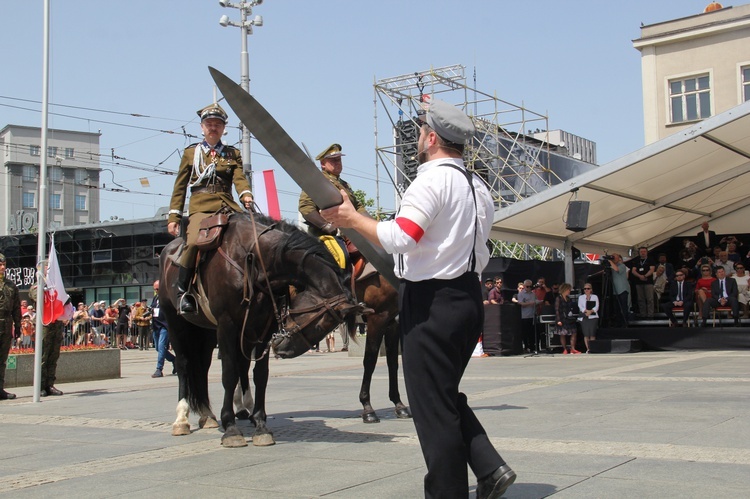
(266, 196)
(55, 296)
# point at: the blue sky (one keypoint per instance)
(312, 65)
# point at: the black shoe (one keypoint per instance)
(495, 485)
(704, 323)
(187, 304)
(6, 395)
(51, 390)
(157, 374)
(174, 369)
(186, 301)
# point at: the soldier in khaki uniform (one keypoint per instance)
(330, 164)
(10, 315)
(208, 170)
(52, 337)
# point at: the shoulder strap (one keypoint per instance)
(468, 176)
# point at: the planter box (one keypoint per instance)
(82, 365)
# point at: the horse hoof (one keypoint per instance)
(263, 440)
(243, 414)
(207, 422)
(403, 413)
(233, 441)
(370, 417)
(179, 429)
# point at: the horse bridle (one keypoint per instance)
(287, 316)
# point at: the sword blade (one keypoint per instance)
(296, 163)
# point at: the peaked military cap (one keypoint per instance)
(332, 151)
(2, 258)
(213, 111)
(449, 122)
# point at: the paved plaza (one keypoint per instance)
(651, 424)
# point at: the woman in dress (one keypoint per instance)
(566, 322)
(588, 304)
(703, 286)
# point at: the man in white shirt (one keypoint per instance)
(439, 237)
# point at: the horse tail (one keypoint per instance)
(198, 356)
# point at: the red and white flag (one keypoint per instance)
(265, 195)
(55, 296)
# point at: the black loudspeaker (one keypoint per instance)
(510, 329)
(491, 331)
(578, 216)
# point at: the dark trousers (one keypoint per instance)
(714, 303)
(527, 330)
(51, 342)
(686, 305)
(622, 312)
(440, 324)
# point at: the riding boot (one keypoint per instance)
(186, 300)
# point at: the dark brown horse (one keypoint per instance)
(377, 293)
(246, 285)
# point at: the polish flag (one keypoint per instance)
(55, 296)
(265, 195)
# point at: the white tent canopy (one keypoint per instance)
(663, 190)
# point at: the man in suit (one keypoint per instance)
(681, 294)
(706, 240)
(723, 293)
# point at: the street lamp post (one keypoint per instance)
(246, 27)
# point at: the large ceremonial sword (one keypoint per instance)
(297, 164)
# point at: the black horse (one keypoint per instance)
(243, 293)
(377, 293)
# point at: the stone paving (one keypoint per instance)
(650, 424)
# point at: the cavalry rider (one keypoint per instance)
(331, 166)
(208, 170)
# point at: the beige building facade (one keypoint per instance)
(693, 68)
(73, 169)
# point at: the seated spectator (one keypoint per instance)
(723, 294)
(660, 282)
(681, 294)
(496, 294)
(732, 253)
(668, 267)
(703, 286)
(743, 293)
(723, 262)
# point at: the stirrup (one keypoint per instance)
(187, 304)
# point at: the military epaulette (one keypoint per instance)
(193, 145)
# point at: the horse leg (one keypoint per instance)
(263, 436)
(243, 399)
(181, 426)
(391, 355)
(370, 360)
(231, 367)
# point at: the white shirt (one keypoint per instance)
(432, 236)
(582, 305)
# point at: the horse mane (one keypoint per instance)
(297, 240)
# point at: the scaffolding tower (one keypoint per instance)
(514, 164)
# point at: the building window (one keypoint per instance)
(745, 74)
(51, 151)
(29, 172)
(55, 202)
(28, 200)
(35, 150)
(56, 174)
(80, 202)
(690, 99)
(101, 256)
(68, 153)
(81, 176)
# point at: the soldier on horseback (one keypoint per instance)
(208, 169)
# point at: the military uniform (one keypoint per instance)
(10, 315)
(209, 172)
(52, 337)
(310, 211)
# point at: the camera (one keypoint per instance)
(607, 257)
(705, 260)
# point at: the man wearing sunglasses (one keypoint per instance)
(681, 294)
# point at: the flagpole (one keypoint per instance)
(43, 203)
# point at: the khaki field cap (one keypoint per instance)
(332, 151)
(449, 122)
(213, 111)
(2, 258)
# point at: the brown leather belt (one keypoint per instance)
(211, 189)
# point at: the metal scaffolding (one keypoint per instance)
(514, 164)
